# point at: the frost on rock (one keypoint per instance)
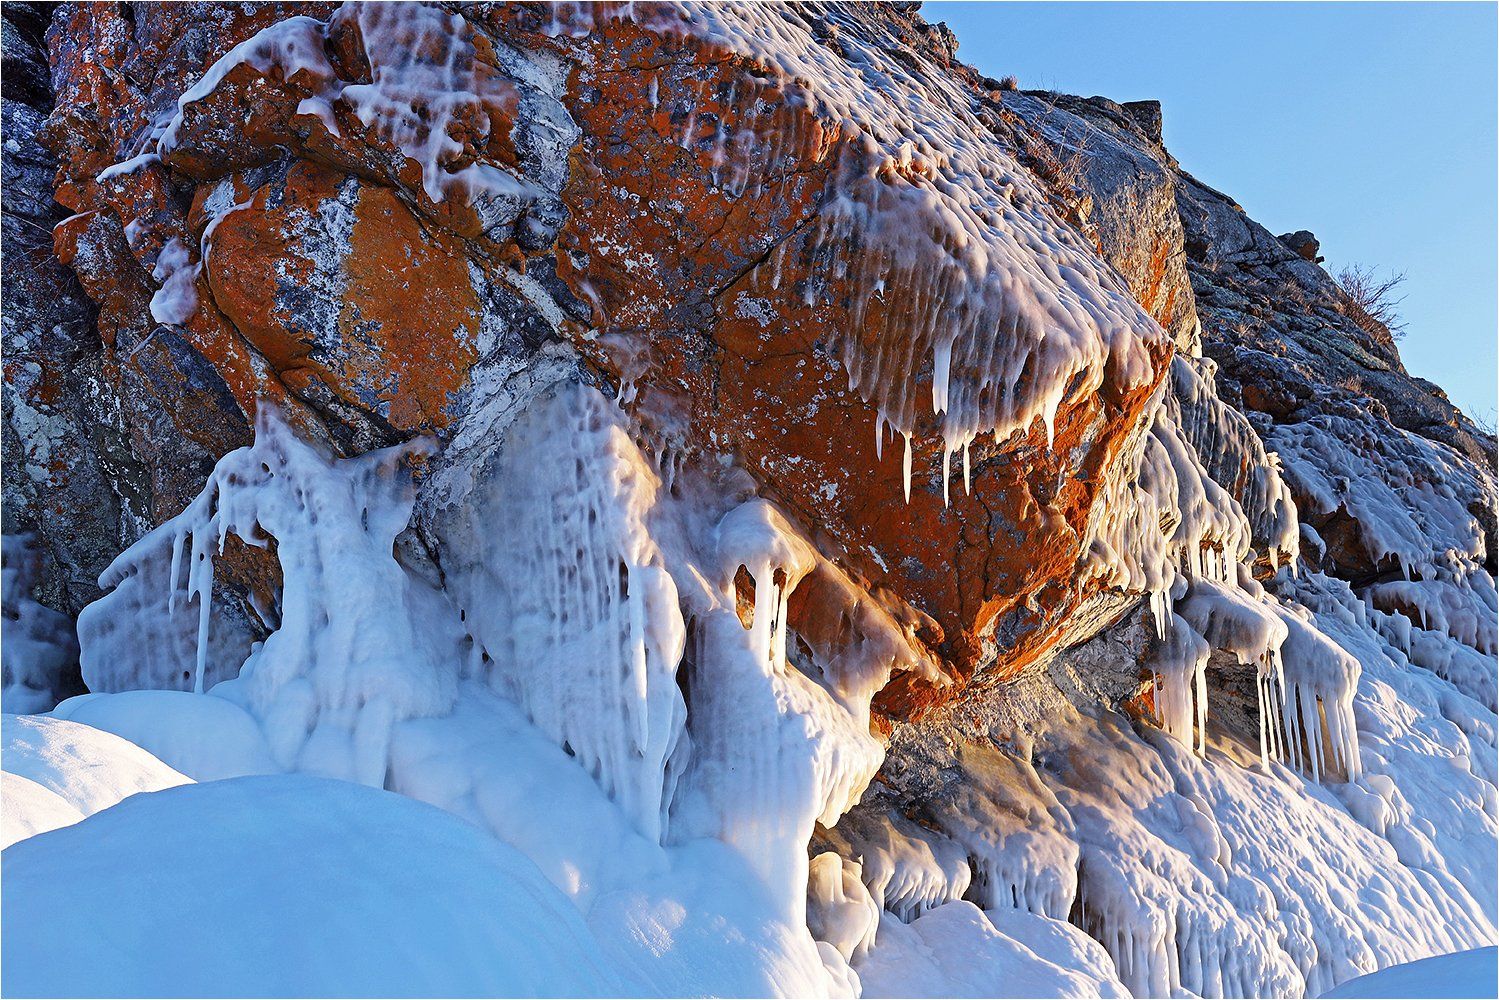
(1020, 842)
(414, 79)
(1412, 545)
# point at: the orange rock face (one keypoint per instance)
(343, 244)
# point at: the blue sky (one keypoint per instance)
(1373, 125)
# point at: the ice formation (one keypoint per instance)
(969, 304)
(641, 672)
(695, 724)
(576, 617)
(427, 85)
(356, 647)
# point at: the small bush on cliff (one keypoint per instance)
(1370, 301)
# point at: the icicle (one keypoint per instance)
(906, 471)
(201, 574)
(941, 370)
(967, 471)
(178, 538)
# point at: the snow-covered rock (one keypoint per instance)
(490, 406)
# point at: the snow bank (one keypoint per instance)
(27, 809)
(956, 950)
(89, 769)
(203, 738)
(287, 886)
(1463, 974)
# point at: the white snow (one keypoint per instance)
(286, 886)
(1470, 973)
(957, 950)
(57, 772)
(27, 809)
(204, 738)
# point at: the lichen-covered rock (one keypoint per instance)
(346, 212)
(69, 480)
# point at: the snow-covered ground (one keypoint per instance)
(1473, 973)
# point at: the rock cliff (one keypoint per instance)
(754, 390)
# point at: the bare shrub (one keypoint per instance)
(1370, 301)
(1011, 82)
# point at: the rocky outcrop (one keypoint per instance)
(333, 222)
(780, 394)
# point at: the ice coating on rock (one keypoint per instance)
(1233, 455)
(907, 868)
(431, 94)
(559, 580)
(39, 642)
(355, 648)
(959, 275)
(840, 910)
(671, 659)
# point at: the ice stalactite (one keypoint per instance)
(1178, 671)
(908, 868)
(1232, 455)
(840, 910)
(971, 308)
(1320, 680)
(773, 752)
(356, 648)
(551, 563)
(144, 633)
(1183, 537)
(1020, 841)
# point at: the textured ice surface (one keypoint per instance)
(39, 642)
(673, 800)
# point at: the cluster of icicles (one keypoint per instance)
(953, 267)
